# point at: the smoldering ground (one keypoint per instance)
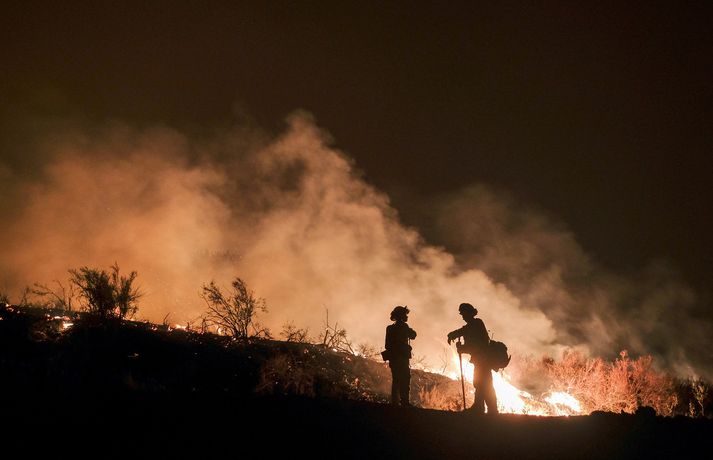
(293, 217)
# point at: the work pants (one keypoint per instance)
(484, 391)
(400, 382)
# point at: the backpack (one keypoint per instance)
(498, 355)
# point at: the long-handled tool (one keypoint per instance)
(462, 380)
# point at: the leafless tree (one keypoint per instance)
(61, 297)
(335, 337)
(25, 297)
(235, 312)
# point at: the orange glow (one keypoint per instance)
(512, 400)
(565, 403)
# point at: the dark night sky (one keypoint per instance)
(600, 115)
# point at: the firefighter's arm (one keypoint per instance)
(411, 334)
(453, 335)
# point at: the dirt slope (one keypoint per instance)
(131, 391)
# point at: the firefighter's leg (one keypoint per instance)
(478, 406)
(489, 395)
(406, 386)
(394, 384)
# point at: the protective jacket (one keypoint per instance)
(397, 337)
(476, 340)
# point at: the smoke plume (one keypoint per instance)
(293, 217)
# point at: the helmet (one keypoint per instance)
(466, 308)
(399, 313)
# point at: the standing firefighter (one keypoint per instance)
(398, 353)
(476, 345)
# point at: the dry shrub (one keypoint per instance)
(284, 375)
(107, 294)
(367, 350)
(335, 337)
(292, 333)
(702, 394)
(59, 297)
(583, 378)
(444, 397)
(695, 397)
(235, 311)
(621, 386)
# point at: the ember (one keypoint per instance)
(65, 322)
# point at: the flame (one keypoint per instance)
(512, 400)
(65, 321)
(564, 403)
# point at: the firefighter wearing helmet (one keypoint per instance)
(398, 354)
(475, 344)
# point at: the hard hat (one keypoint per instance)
(467, 309)
(399, 313)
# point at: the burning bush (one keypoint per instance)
(695, 398)
(444, 396)
(704, 394)
(623, 385)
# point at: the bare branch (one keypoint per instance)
(236, 311)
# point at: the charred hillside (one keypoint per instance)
(112, 389)
(67, 353)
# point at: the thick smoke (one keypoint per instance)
(292, 217)
(650, 312)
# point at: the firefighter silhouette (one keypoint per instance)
(398, 353)
(476, 340)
